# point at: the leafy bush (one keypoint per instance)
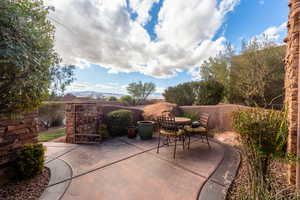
(112, 98)
(52, 114)
(118, 121)
(30, 161)
(127, 100)
(194, 116)
(264, 137)
(210, 92)
(103, 131)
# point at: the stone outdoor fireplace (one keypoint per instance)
(83, 121)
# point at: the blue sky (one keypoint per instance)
(114, 43)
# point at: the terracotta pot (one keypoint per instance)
(131, 132)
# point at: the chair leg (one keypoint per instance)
(189, 141)
(207, 142)
(202, 138)
(157, 151)
(175, 147)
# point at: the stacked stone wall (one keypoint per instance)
(291, 80)
(15, 133)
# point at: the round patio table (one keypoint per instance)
(183, 121)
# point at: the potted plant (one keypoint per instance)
(145, 129)
(131, 132)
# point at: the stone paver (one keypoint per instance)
(124, 168)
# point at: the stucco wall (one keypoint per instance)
(220, 115)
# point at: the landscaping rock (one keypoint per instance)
(151, 112)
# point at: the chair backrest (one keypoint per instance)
(167, 123)
(203, 119)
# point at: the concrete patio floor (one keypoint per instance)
(123, 168)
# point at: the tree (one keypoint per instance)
(257, 75)
(140, 91)
(182, 94)
(218, 69)
(209, 92)
(254, 78)
(195, 93)
(29, 66)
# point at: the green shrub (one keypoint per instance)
(264, 137)
(103, 131)
(194, 116)
(30, 161)
(112, 98)
(209, 93)
(52, 114)
(127, 100)
(118, 121)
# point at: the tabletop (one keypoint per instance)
(183, 120)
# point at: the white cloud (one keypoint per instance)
(261, 2)
(274, 33)
(102, 32)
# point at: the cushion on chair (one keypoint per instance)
(199, 129)
(172, 133)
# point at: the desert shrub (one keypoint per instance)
(209, 92)
(112, 98)
(118, 121)
(264, 136)
(52, 114)
(127, 100)
(103, 131)
(194, 116)
(30, 161)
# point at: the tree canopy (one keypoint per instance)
(255, 77)
(208, 92)
(140, 91)
(29, 66)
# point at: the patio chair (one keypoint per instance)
(202, 130)
(169, 130)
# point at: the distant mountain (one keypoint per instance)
(96, 95)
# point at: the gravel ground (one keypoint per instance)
(29, 189)
(279, 183)
(239, 185)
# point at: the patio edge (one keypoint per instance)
(217, 185)
(58, 169)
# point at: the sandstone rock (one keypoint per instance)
(151, 112)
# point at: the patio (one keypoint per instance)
(123, 168)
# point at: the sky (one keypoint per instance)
(115, 42)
